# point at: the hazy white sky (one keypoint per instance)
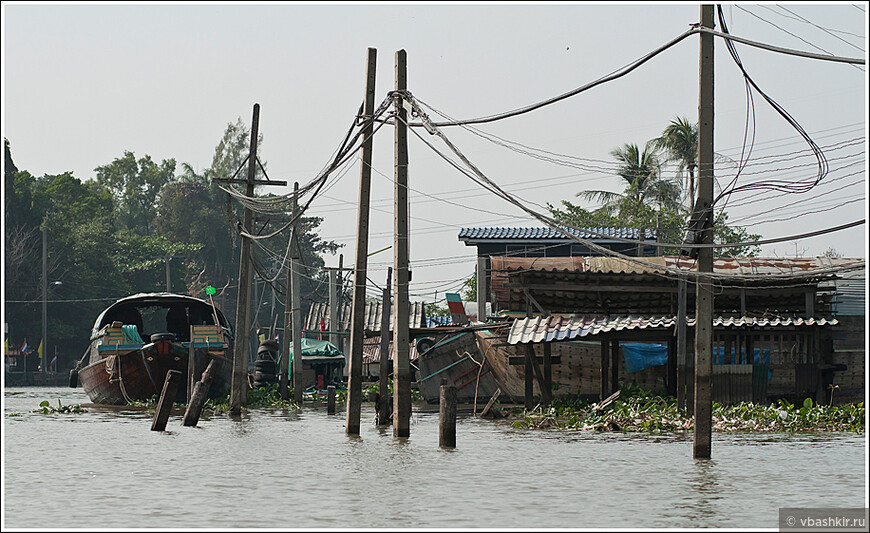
(82, 83)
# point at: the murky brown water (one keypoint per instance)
(277, 469)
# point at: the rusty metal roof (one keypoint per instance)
(372, 319)
(559, 328)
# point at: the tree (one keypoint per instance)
(136, 187)
(640, 170)
(679, 141)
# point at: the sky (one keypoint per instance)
(84, 82)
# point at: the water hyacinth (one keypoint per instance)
(642, 411)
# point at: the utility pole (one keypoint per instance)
(401, 336)
(296, 297)
(241, 345)
(357, 314)
(44, 342)
(383, 406)
(168, 281)
(704, 295)
(481, 288)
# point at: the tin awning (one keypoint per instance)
(560, 328)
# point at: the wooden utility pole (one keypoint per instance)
(681, 344)
(242, 342)
(481, 289)
(295, 298)
(44, 341)
(284, 371)
(401, 335)
(357, 314)
(384, 360)
(335, 305)
(704, 206)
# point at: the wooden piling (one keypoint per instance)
(164, 405)
(447, 421)
(200, 393)
(330, 400)
(191, 365)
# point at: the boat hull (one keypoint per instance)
(138, 375)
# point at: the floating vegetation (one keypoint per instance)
(637, 410)
(46, 408)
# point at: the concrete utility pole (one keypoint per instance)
(401, 335)
(241, 344)
(296, 301)
(360, 270)
(704, 206)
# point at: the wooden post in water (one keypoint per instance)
(547, 391)
(167, 397)
(682, 366)
(360, 267)
(605, 375)
(401, 335)
(384, 400)
(447, 419)
(704, 299)
(330, 400)
(200, 393)
(529, 384)
(191, 366)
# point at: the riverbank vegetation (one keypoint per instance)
(638, 410)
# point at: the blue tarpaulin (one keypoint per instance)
(640, 355)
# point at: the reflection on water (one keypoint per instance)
(289, 469)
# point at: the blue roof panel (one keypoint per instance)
(547, 233)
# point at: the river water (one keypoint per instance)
(297, 469)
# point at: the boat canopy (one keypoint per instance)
(174, 313)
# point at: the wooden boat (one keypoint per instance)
(120, 367)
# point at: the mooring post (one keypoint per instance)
(529, 401)
(167, 397)
(682, 366)
(360, 267)
(200, 393)
(191, 366)
(447, 420)
(330, 400)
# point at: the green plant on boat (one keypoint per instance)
(639, 410)
(46, 408)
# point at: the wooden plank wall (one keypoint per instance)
(850, 341)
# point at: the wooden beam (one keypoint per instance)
(277, 183)
(572, 287)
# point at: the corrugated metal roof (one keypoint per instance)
(557, 328)
(739, 266)
(372, 350)
(372, 320)
(547, 233)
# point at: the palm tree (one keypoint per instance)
(641, 172)
(679, 140)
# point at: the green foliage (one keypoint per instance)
(643, 411)
(433, 309)
(46, 408)
(136, 186)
